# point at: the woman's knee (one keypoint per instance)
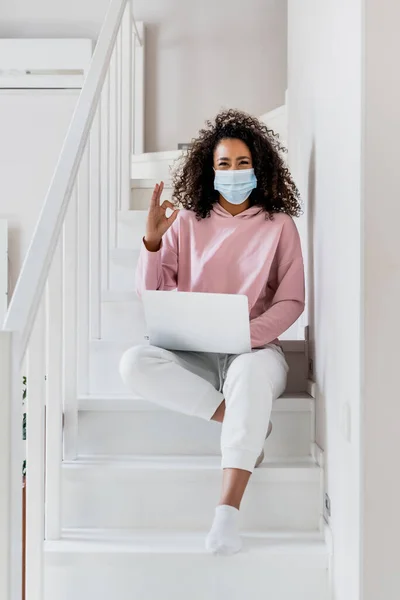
(247, 366)
(263, 370)
(132, 364)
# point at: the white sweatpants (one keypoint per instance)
(196, 384)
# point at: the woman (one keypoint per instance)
(234, 235)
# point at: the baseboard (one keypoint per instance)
(318, 454)
(312, 388)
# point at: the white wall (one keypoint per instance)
(325, 137)
(33, 126)
(200, 56)
(381, 244)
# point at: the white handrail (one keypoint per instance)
(29, 290)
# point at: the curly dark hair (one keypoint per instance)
(193, 177)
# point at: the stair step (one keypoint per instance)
(146, 172)
(145, 428)
(140, 198)
(175, 566)
(301, 402)
(141, 193)
(182, 542)
(145, 184)
(285, 469)
(112, 296)
(132, 217)
(128, 256)
(180, 493)
(154, 165)
(122, 269)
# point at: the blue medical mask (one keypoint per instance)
(235, 186)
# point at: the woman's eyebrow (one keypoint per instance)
(238, 158)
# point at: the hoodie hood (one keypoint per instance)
(246, 214)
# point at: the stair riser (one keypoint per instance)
(154, 166)
(121, 497)
(140, 198)
(122, 321)
(122, 273)
(159, 432)
(132, 230)
(182, 577)
(104, 362)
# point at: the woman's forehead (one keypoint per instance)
(231, 147)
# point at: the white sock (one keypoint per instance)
(224, 535)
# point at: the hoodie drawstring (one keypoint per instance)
(222, 372)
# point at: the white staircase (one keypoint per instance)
(121, 493)
(139, 498)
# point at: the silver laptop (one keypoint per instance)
(198, 322)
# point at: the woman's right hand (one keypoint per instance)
(157, 221)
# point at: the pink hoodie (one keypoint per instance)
(245, 254)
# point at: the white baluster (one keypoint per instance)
(118, 48)
(83, 274)
(70, 398)
(95, 226)
(126, 108)
(35, 458)
(11, 457)
(54, 407)
(113, 150)
(138, 90)
(105, 185)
